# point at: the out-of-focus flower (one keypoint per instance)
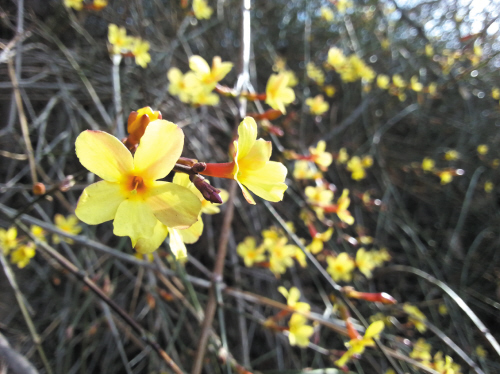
(251, 167)
(281, 256)
(357, 166)
(422, 351)
(201, 9)
(488, 186)
(140, 50)
(343, 156)
(69, 225)
(8, 239)
(482, 149)
(119, 40)
(75, 4)
(481, 352)
(249, 251)
(180, 84)
(383, 81)
(38, 232)
(432, 89)
(415, 85)
(317, 105)
(446, 176)
(22, 255)
(398, 81)
(318, 241)
(303, 170)
(320, 157)
(364, 262)
(429, 50)
(327, 14)
(129, 193)
(207, 76)
(329, 90)
(319, 197)
(336, 58)
(292, 299)
(299, 332)
(428, 164)
(342, 204)
(495, 93)
(340, 268)
(415, 317)
(278, 94)
(357, 346)
(451, 155)
(315, 73)
(343, 5)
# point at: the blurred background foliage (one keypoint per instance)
(447, 230)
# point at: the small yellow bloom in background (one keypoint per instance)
(207, 76)
(329, 90)
(343, 5)
(201, 9)
(342, 204)
(8, 239)
(278, 94)
(383, 81)
(69, 225)
(488, 186)
(482, 149)
(432, 88)
(356, 167)
(421, 351)
(429, 50)
(415, 317)
(318, 105)
(343, 156)
(481, 352)
(75, 4)
(315, 73)
(130, 193)
(299, 332)
(446, 176)
(381, 256)
(320, 157)
(336, 58)
(442, 309)
(398, 81)
(451, 155)
(364, 262)
(340, 268)
(250, 253)
(318, 241)
(281, 256)
(119, 40)
(495, 93)
(179, 84)
(22, 255)
(99, 4)
(303, 170)
(319, 196)
(358, 346)
(140, 50)
(38, 232)
(367, 161)
(428, 164)
(415, 85)
(292, 299)
(327, 14)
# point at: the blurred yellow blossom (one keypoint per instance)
(364, 262)
(69, 225)
(415, 85)
(451, 155)
(120, 42)
(249, 251)
(303, 170)
(343, 156)
(329, 90)
(201, 9)
(481, 352)
(75, 4)
(281, 256)
(38, 232)
(340, 268)
(495, 93)
(317, 105)
(278, 94)
(415, 317)
(383, 81)
(488, 186)
(482, 149)
(140, 50)
(315, 73)
(299, 332)
(320, 157)
(179, 84)
(327, 14)
(357, 166)
(22, 255)
(421, 351)
(292, 299)
(446, 176)
(342, 204)
(398, 81)
(318, 241)
(428, 164)
(429, 50)
(207, 76)
(8, 239)
(357, 346)
(343, 5)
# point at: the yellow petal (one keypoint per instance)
(193, 233)
(99, 203)
(282, 290)
(374, 329)
(104, 155)
(267, 182)
(257, 157)
(151, 244)
(134, 218)
(247, 131)
(246, 194)
(176, 244)
(160, 148)
(174, 205)
(199, 65)
(181, 179)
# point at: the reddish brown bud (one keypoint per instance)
(209, 192)
(270, 115)
(38, 188)
(378, 297)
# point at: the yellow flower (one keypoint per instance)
(38, 232)
(299, 332)
(130, 193)
(481, 352)
(319, 197)
(429, 50)
(320, 157)
(69, 225)
(340, 268)
(318, 105)
(292, 299)
(250, 253)
(442, 309)
(22, 255)
(342, 204)
(278, 94)
(251, 167)
(281, 255)
(364, 262)
(75, 4)
(415, 84)
(446, 176)
(381, 256)
(495, 93)
(383, 81)
(356, 167)
(8, 239)
(140, 49)
(119, 40)
(209, 77)
(432, 88)
(205, 97)
(302, 170)
(201, 9)
(336, 58)
(488, 186)
(421, 351)
(357, 346)
(179, 84)
(315, 73)
(451, 155)
(99, 4)
(327, 14)
(415, 317)
(329, 90)
(482, 149)
(398, 81)
(343, 156)
(318, 241)
(360, 69)
(428, 164)
(343, 5)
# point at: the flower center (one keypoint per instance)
(135, 185)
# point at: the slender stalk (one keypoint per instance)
(117, 96)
